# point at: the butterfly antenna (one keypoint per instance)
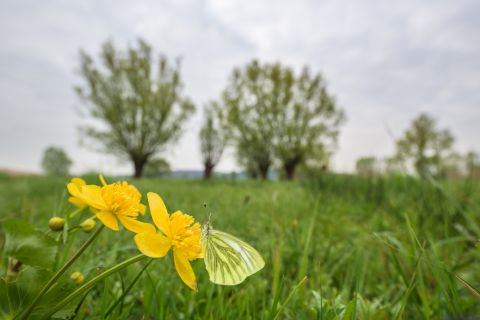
(209, 215)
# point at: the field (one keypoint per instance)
(385, 248)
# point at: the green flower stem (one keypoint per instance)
(127, 290)
(58, 274)
(74, 213)
(87, 286)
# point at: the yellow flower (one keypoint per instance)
(74, 188)
(179, 231)
(113, 202)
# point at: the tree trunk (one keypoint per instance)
(289, 168)
(208, 170)
(290, 171)
(263, 171)
(139, 165)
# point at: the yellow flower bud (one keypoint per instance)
(77, 277)
(88, 225)
(56, 224)
(295, 222)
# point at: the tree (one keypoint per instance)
(472, 165)
(305, 117)
(275, 114)
(247, 117)
(56, 162)
(254, 156)
(317, 163)
(394, 166)
(367, 166)
(212, 139)
(426, 146)
(137, 100)
(157, 167)
(453, 166)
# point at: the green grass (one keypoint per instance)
(369, 249)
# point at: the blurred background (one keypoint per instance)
(382, 63)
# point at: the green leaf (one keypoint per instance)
(15, 295)
(28, 245)
(350, 310)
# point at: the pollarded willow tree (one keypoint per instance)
(249, 115)
(425, 146)
(278, 115)
(137, 100)
(213, 138)
(306, 117)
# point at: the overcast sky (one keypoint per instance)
(384, 61)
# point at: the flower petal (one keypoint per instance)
(185, 270)
(108, 219)
(136, 226)
(92, 195)
(77, 202)
(73, 189)
(159, 212)
(152, 245)
(79, 182)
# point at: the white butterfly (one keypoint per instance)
(229, 260)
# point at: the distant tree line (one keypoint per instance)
(272, 116)
(426, 150)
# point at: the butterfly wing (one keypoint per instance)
(229, 260)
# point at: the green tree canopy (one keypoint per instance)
(367, 166)
(137, 100)
(213, 138)
(425, 146)
(56, 162)
(275, 114)
(307, 120)
(248, 114)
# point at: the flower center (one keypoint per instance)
(185, 235)
(122, 199)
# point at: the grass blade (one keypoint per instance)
(289, 297)
(469, 287)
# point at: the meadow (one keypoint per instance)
(335, 246)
